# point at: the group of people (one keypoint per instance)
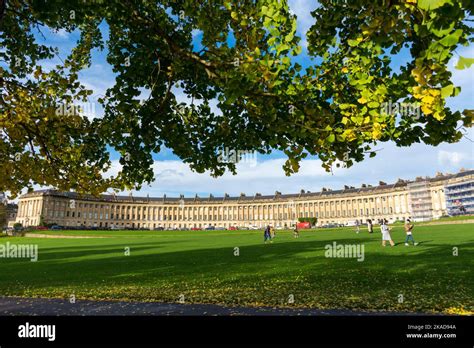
(385, 229)
(269, 234)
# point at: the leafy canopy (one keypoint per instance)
(334, 108)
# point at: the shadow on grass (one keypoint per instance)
(274, 261)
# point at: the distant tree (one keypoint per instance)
(3, 215)
(238, 53)
(41, 221)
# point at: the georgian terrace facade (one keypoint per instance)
(390, 201)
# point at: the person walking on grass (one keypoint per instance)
(408, 229)
(370, 227)
(296, 232)
(386, 233)
(272, 232)
(357, 226)
(266, 235)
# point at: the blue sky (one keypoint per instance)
(266, 175)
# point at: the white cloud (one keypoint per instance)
(302, 9)
(196, 32)
(62, 33)
(450, 158)
(464, 79)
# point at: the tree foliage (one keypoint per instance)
(246, 61)
(3, 214)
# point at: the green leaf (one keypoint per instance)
(430, 5)
(447, 91)
(451, 39)
(297, 50)
(352, 43)
(286, 60)
(289, 37)
(331, 137)
(282, 47)
(464, 63)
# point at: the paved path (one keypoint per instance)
(53, 307)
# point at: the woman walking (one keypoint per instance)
(266, 235)
(370, 227)
(386, 233)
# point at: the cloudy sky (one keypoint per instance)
(265, 175)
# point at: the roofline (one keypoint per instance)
(238, 199)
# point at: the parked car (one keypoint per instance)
(332, 225)
(279, 228)
(220, 228)
(232, 228)
(196, 228)
(210, 228)
(57, 227)
(42, 228)
(159, 228)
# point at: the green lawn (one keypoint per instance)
(201, 266)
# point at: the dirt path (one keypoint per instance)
(37, 235)
(43, 306)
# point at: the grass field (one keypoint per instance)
(202, 267)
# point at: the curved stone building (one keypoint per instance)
(421, 199)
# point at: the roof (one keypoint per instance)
(243, 198)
